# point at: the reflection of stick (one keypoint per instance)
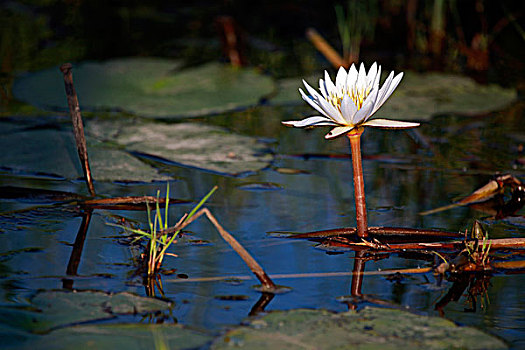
(325, 48)
(76, 253)
(78, 127)
(263, 301)
(267, 284)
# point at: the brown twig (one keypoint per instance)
(503, 243)
(231, 41)
(267, 283)
(325, 48)
(378, 231)
(127, 203)
(78, 127)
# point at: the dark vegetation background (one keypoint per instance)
(481, 38)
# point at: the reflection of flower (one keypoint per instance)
(350, 103)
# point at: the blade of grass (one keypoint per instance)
(167, 206)
(188, 217)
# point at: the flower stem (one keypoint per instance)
(359, 186)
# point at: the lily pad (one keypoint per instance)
(192, 144)
(121, 336)
(369, 328)
(421, 96)
(53, 152)
(149, 87)
(51, 309)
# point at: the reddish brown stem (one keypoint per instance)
(359, 184)
(78, 126)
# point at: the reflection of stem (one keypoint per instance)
(78, 127)
(151, 282)
(76, 253)
(359, 185)
(357, 277)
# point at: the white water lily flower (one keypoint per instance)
(351, 101)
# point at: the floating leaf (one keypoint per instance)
(51, 309)
(369, 328)
(122, 336)
(421, 96)
(192, 144)
(51, 151)
(149, 87)
(111, 164)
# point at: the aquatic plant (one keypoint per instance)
(479, 255)
(348, 106)
(158, 236)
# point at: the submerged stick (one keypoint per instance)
(359, 185)
(78, 127)
(501, 243)
(335, 274)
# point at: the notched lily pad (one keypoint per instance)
(368, 328)
(421, 96)
(52, 309)
(149, 87)
(191, 144)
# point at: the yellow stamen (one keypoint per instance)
(358, 96)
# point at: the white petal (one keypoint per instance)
(310, 121)
(340, 79)
(313, 103)
(348, 109)
(312, 91)
(339, 130)
(322, 88)
(361, 78)
(392, 86)
(332, 112)
(366, 109)
(371, 76)
(330, 87)
(383, 90)
(351, 78)
(378, 77)
(390, 124)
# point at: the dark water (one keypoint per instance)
(402, 178)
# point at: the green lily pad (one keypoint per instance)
(122, 336)
(149, 87)
(50, 151)
(370, 328)
(192, 144)
(421, 96)
(51, 309)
